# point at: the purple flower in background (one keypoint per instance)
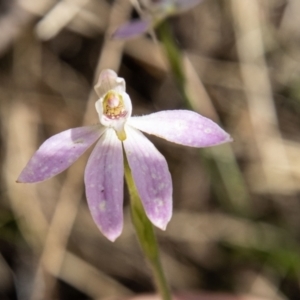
(152, 13)
(105, 168)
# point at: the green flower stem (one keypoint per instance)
(174, 56)
(146, 235)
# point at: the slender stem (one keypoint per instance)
(146, 235)
(174, 56)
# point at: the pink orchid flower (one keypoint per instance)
(105, 168)
(153, 12)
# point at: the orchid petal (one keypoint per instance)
(132, 29)
(151, 176)
(104, 184)
(182, 127)
(109, 80)
(58, 152)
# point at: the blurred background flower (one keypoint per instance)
(235, 227)
(152, 13)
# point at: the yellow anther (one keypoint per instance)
(113, 105)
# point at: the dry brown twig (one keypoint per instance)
(250, 46)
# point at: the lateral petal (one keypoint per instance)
(104, 184)
(58, 152)
(182, 127)
(151, 175)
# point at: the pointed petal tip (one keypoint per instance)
(221, 141)
(227, 138)
(161, 224)
(162, 220)
(25, 178)
(112, 236)
(111, 233)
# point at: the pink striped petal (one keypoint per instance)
(104, 184)
(151, 176)
(132, 29)
(58, 152)
(182, 127)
